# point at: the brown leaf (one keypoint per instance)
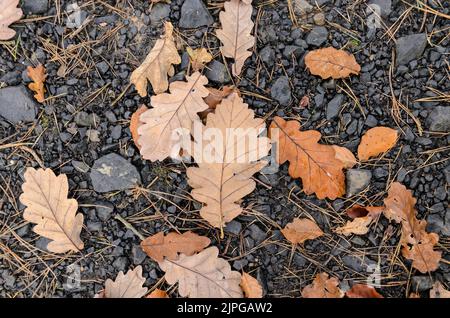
(438, 291)
(171, 111)
(314, 163)
(418, 244)
(362, 291)
(323, 287)
(157, 293)
(9, 14)
(235, 34)
(414, 295)
(220, 183)
(329, 62)
(251, 286)
(159, 246)
(376, 141)
(345, 156)
(215, 97)
(126, 286)
(135, 123)
(38, 75)
(304, 102)
(203, 275)
(198, 57)
(45, 196)
(363, 217)
(300, 230)
(157, 65)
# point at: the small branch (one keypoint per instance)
(129, 226)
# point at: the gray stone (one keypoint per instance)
(34, 6)
(112, 172)
(437, 224)
(257, 234)
(318, 99)
(293, 50)
(439, 119)
(103, 67)
(358, 264)
(159, 12)
(194, 14)
(281, 91)
(302, 7)
(217, 72)
(121, 263)
(172, 209)
(138, 254)
(410, 47)
(104, 210)
(421, 283)
(80, 166)
(94, 226)
(86, 120)
(234, 227)
(267, 55)
(240, 264)
(357, 180)
(16, 105)
(317, 36)
(381, 7)
(42, 243)
(334, 106)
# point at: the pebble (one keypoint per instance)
(137, 254)
(86, 120)
(334, 106)
(120, 263)
(217, 72)
(34, 6)
(281, 91)
(381, 7)
(16, 105)
(439, 119)
(302, 7)
(194, 14)
(267, 55)
(234, 227)
(159, 12)
(410, 47)
(319, 18)
(80, 166)
(357, 180)
(257, 234)
(317, 36)
(104, 210)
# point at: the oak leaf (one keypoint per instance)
(172, 111)
(330, 62)
(157, 65)
(224, 179)
(323, 287)
(45, 196)
(251, 287)
(198, 57)
(314, 163)
(376, 141)
(345, 156)
(363, 218)
(157, 293)
(135, 122)
(9, 14)
(127, 285)
(235, 34)
(300, 230)
(203, 275)
(159, 246)
(438, 291)
(362, 291)
(215, 97)
(38, 75)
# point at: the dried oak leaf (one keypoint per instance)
(363, 217)
(300, 230)
(126, 286)
(235, 34)
(157, 65)
(135, 122)
(323, 287)
(345, 156)
(251, 287)
(438, 291)
(376, 141)
(215, 97)
(418, 244)
(362, 291)
(45, 196)
(330, 62)
(203, 275)
(171, 112)
(314, 163)
(198, 57)
(9, 14)
(38, 75)
(221, 181)
(159, 246)
(157, 293)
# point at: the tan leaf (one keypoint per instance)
(438, 291)
(215, 97)
(235, 34)
(418, 244)
(363, 217)
(329, 62)
(345, 156)
(135, 122)
(362, 291)
(126, 286)
(159, 246)
(199, 57)
(9, 14)
(157, 293)
(38, 76)
(45, 196)
(157, 65)
(251, 286)
(314, 163)
(323, 287)
(171, 112)
(300, 230)
(203, 275)
(220, 182)
(376, 141)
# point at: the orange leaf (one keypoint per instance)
(251, 286)
(157, 293)
(38, 75)
(362, 291)
(376, 141)
(329, 62)
(216, 96)
(345, 156)
(135, 123)
(301, 230)
(323, 287)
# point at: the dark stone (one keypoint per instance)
(159, 12)
(334, 106)
(439, 119)
(281, 91)
(194, 14)
(217, 72)
(317, 36)
(357, 180)
(137, 254)
(16, 105)
(234, 227)
(34, 6)
(104, 210)
(410, 47)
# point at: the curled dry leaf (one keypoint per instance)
(345, 156)
(363, 217)
(221, 181)
(159, 246)
(438, 291)
(376, 141)
(330, 62)
(300, 230)
(235, 34)
(38, 76)
(9, 14)
(251, 287)
(203, 275)
(314, 163)
(323, 287)
(157, 64)
(171, 112)
(126, 286)
(45, 196)
(198, 57)
(362, 291)
(417, 243)
(157, 293)
(135, 122)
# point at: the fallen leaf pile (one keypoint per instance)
(9, 14)
(38, 76)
